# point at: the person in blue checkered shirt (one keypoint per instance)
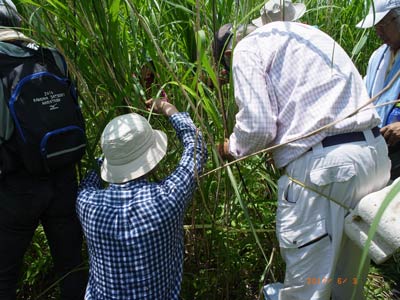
(134, 227)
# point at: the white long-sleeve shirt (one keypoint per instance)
(291, 79)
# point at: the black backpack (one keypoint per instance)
(48, 126)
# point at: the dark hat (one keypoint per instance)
(9, 16)
(221, 40)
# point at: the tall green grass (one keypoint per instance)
(231, 250)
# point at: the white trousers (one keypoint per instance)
(321, 262)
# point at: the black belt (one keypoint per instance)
(349, 137)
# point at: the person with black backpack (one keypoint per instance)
(42, 138)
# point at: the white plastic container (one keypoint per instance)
(387, 237)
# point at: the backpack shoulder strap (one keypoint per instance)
(60, 60)
(6, 122)
(3, 109)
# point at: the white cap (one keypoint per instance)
(377, 12)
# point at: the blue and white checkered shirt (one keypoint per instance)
(134, 230)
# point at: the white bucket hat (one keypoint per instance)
(131, 148)
(279, 10)
(377, 12)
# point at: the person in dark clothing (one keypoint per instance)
(28, 200)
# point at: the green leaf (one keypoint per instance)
(360, 44)
(114, 9)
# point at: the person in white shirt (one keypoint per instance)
(291, 79)
(383, 67)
